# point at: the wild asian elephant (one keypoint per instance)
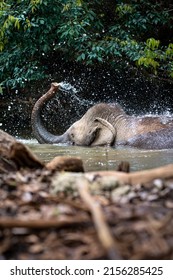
(102, 124)
(160, 139)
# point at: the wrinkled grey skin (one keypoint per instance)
(102, 124)
(162, 139)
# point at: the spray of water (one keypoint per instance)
(69, 89)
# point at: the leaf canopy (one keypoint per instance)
(120, 33)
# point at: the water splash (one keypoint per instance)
(68, 88)
(65, 108)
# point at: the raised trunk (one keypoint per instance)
(40, 132)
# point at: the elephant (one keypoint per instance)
(160, 139)
(102, 124)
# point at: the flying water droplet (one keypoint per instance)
(67, 87)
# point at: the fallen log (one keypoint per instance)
(102, 228)
(40, 224)
(138, 177)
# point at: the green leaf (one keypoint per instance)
(152, 43)
(83, 56)
(42, 21)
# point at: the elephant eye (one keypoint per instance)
(72, 135)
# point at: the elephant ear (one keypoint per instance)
(106, 134)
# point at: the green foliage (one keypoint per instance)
(35, 32)
(150, 55)
(155, 58)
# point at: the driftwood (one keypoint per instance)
(23, 157)
(6, 141)
(139, 177)
(101, 181)
(101, 226)
(64, 163)
(39, 224)
(14, 155)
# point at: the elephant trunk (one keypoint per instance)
(40, 132)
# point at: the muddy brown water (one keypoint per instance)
(104, 158)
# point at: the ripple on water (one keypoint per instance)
(103, 158)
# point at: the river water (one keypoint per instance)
(103, 158)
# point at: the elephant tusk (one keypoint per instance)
(108, 125)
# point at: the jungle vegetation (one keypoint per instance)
(120, 33)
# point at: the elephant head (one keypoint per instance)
(91, 130)
(94, 133)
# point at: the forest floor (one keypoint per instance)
(59, 211)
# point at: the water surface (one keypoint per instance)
(104, 158)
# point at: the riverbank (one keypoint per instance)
(58, 211)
